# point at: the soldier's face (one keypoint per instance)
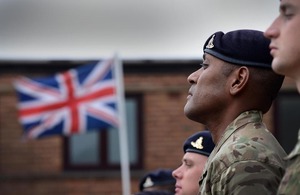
(207, 94)
(188, 174)
(284, 33)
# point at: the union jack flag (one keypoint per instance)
(76, 101)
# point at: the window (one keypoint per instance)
(100, 149)
(287, 119)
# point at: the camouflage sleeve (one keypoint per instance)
(248, 177)
(290, 183)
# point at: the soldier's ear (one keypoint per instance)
(239, 79)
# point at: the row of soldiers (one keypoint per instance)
(241, 75)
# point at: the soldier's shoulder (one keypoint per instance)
(244, 148)
(290, 181)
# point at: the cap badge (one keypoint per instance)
(210, 43)
(148, 183)
(198, 143)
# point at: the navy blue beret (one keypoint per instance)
(240, 47)
(200, 143)
(157, 177)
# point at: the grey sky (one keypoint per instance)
(85, 29)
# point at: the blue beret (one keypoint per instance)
(200, 143)
(158, 177)
(240, 47)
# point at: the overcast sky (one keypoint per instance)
(147, 29)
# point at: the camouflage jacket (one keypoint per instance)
(246, 160)
(290, 183)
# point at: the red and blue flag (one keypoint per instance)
(76, 101)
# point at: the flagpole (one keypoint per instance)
(123, 142)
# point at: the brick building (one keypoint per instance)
(156, 92)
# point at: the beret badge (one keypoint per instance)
(148, 183)
(210, 43)
(198, 143)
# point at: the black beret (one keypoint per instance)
(157, 177)
(200, 143)
(240, 47)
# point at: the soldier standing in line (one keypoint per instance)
(284, 33)
(229, 94)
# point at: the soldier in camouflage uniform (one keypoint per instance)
(197, 149)
(229, 94)
(284, 33)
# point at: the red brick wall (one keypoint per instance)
(35, 166)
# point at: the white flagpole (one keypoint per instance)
(123, 142)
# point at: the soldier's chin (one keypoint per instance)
(189, 114)
(279, 68)
(186, 110)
